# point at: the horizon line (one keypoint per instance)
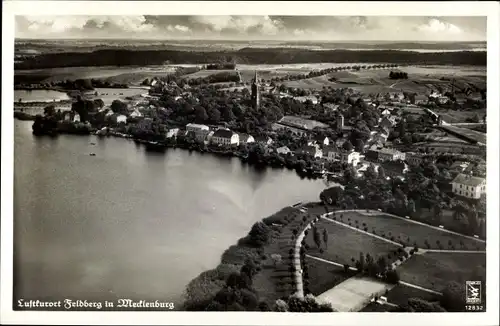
(237, 40)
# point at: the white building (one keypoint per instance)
(136, 114)
(468, 186)
(284, 150)
(172, 133)
(200, 131)
(121, 119)
(349, 157)
(225, 137)
(246, 138)
(76, 118)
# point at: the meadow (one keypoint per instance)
(434, 270)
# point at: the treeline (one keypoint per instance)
(78, 84)
(398, 75)
(248, 56)
(221, 66)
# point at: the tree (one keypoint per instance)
(259, 234)
(347, 146)
(359, 145)
(392, 276)
(360, 264)
(453, 298)
(420, 305)
(381, 173)
(325, 237)
(201, 114)
(49, 110)
(118, 106)
(317, 237)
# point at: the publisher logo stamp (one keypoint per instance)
(473, 292)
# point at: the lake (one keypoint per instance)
(39, 95)
(127, 223)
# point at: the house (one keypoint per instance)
(76, 118)
(475, 97)
(387, 122)
(468, 186)
(459, 166)
(304, 99)
(386, 112)
(330, 107)
(379, 137)
(225, 137)
(246, 138)
(120, 118)
(136, 114)
(310, 150)
(414, 158)
(394, 169)
(442, 100)
(264, 140)
(284, 150)
(172, 133)
(420, 100)
(332, 153)
(397, 96)
(387, 154)
(320, 140)
(200, 131)
(349, 157)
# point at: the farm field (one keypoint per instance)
(345, 244)
(472, 134)
(122, 75)
(452, 116)
(400, 230)
(108, 95)
(435, 270)
(421, 79)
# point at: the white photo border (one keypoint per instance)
(402, 8)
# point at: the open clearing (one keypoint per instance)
(411, 233)
(345, 244)
(434, 270)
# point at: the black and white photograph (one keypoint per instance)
(290, 161)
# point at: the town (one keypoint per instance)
(389, 153)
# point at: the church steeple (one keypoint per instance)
(255, 92)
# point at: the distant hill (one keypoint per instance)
(121, 57)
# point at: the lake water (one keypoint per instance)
(39, 95)
(127, 223)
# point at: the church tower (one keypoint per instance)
(255, 92)
(340, 122)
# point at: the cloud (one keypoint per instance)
(335, 28)
(438, 26)
(178, 28)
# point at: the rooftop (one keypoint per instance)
(223, 133)
(468, 180)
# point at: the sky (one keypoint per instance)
(286, 28)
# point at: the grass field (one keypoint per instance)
(452, 116)
(345, 244)
(324, 276)
(401, 293)
(399, 229)
(472, 134)
(108, 95)
(435, 270)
